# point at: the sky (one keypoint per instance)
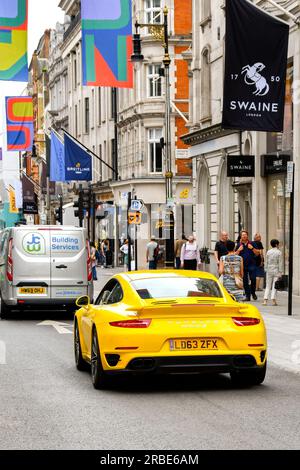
(43, 14)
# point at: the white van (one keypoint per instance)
(45, 266)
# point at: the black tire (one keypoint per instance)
(99, 378)
(81, 364)
(249, 377)
(5, 310)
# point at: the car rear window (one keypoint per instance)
(165, 287)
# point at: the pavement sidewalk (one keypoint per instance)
(283, 331)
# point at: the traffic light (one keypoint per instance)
(86, 198)
(59, 215)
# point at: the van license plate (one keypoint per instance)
(32, 290)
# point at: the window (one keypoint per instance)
(205, 9)
(99, 106)
(153, 11)
(76, 120)
(154, 81)
(155, 150)
(87, 115)
(166, 287)
(205, 85)
(75, 74)
(110, 294)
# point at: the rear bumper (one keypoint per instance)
(190, 364)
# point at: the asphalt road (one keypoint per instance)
(45, 403)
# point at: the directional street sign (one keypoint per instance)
(134, 218)
(136, 205)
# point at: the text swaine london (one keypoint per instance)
(254, 107)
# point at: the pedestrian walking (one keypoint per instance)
(246, 249)
(260, 272)
(190, 255)
(231, 267)
(125, 250)
(221, 247)
(274, 271)
(93, 260)
(178, 246)
(152, 253)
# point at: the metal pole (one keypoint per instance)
(128, 230)
(94, 217)
(168, 154)
(80, 207)
(61, 209)
(115, 150)
(48, 202)
(135, 245)
(291, 250)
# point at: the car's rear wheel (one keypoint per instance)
(249, 377)
(81, 364)
(99, 378)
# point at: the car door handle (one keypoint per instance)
(61, 266)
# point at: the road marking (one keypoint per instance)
(58, 326)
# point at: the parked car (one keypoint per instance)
(44, 266)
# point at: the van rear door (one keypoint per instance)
(31, 263)
(69, 255)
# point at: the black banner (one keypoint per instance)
(240, 166)
(255, 69)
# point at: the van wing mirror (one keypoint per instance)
(83, 301)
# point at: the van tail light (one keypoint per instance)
(246, 321)
(89, 262)
(143, 323)
(9, 270)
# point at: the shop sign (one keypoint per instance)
(273, 164)
(240, 166)
(30, 207)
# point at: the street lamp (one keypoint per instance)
(160, 31)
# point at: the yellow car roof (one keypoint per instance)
(150, 274)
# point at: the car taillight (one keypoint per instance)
(143, 323)
(9, 270)
(246, 321)
(89, 262)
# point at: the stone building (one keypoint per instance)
(259, 204)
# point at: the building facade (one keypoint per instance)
(259, 204)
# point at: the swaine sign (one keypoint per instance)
(255, 68)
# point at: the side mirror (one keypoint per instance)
(83, 301)
(105, 296)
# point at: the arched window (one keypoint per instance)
(205, 85)
(203, 207)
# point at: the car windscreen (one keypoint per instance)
(165, 287)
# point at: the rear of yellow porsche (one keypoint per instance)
(185, 335)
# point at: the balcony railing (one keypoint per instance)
(72, 26)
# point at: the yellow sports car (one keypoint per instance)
(169, 322)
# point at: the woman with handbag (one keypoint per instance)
(232, 268)
(274, 271)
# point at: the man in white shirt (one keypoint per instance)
(150, 254)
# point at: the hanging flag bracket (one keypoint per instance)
(285, 11)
